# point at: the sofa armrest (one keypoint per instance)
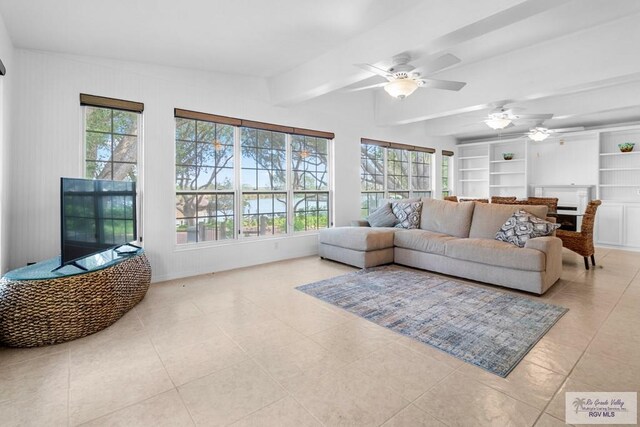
(360, 223)
(547, 244)
(552, 248)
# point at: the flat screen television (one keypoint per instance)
(95, 215)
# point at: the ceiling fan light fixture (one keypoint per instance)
(538, 134)
(498, 122)
(401, 88)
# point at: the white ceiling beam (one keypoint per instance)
(582, 61)
(418, 29)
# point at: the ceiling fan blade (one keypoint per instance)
(439, 63)
(375, 70)
(534, 116)
(357, 89)
(442, 84)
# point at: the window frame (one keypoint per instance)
(449, 156)
(238, 125)
(390, 193)
(139, 151)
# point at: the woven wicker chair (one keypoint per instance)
(504, 200)
(451, 198)
(582, 242)
(552, 202)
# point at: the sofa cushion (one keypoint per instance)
(408, 214)
(383, 217)
(488, 218)
(522, 226)
(422, 240)
(358, 238)
(493, 252)
(446, 217)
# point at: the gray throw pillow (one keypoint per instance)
(382, 217)
(522, 226)
(408, 214)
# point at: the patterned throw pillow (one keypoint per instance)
(382, 217)
(522, 226)
(408, 214)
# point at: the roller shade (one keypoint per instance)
(447, 153)
(195, 115)
(388, 144)
(104, 102)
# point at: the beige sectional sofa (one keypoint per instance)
(455, 239)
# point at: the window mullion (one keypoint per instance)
(237, 169)
(385, 172)
(289, 184)
(410, 172)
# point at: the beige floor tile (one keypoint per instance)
(165, 409)
(557, 406)
(304, 357)
(185, 333)
(228, 395)
(164, 316)
(348, 397)
(40, 379)
(547, 420)
(36, 412)
(608, 346)
(411, 416)
(187, 363)
(268, 335)
(352, 340)
(528, 382)
(407, 372)
(208, 302)
(461, 401)
(10, 355)
(556, 357)
(283, 413)
(607, 373)
(107, 391)
(311, 319)
(432, 352)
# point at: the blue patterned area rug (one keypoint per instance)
(490, 329)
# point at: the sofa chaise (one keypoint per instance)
(456, 239)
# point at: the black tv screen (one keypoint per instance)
(95, 215)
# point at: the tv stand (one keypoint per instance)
(39, 306)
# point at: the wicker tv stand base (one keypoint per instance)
(40, 312)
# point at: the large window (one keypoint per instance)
(264, 182)
(447, 166)
(205, 195)
(393, 171)
(280, 185)
(111, 143)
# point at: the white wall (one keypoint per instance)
(6, 82)
(49, 145)
(574, 162)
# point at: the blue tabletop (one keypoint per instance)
(43, 270)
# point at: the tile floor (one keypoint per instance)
(244, 348)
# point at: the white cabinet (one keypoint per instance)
(609, 223)
(632, 225)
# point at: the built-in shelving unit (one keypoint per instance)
(508, 177)
(619, 179)
(473, 171)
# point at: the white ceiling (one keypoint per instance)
(576, 59)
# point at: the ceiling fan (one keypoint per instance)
(540, 133)
(403, 78)
(501, 117)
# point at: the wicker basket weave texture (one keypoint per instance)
(41, 312)
(581, 241)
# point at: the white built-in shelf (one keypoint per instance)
(620, 153)
(473, 180)
(618, 169)
(620, 185)
(473, 157)
(473, 169)
(508, 173)
(506, 186)
(507, 161)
